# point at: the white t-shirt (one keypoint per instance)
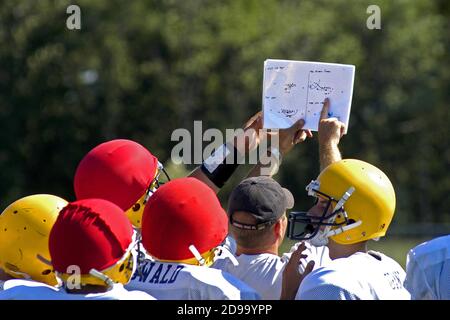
(176, 281)
(264, 272)
(18, 289)
(362, 276)
(428, 270)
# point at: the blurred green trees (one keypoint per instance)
(140, 69)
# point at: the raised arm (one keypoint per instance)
(243, 143)
(331, 131)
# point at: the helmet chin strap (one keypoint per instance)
(321, 238)
(130, 250)
(226, 254)
(107, 280)
(197, 255)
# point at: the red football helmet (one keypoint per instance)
(93, 234)
(121, 171)
(184, 213)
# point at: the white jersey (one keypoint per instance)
(264, 272)
(18, 289)
(362, 276)
(176, 281)
(428, 270)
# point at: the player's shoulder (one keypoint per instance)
(118, 292)
(347, 272)
(211, 276)
(224, 284)
(328, 283)
(384, 260)
(438, 246)
(26, 284)
(264, 263)
(18, 289)
(329, 274)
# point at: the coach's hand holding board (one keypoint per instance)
(294, 90)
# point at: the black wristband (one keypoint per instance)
(221, 165)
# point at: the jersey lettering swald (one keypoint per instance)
(174, 281)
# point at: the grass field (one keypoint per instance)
(394, 247)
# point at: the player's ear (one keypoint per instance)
(278, 229)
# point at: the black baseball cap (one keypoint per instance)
(263, 198)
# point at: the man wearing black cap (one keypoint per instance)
(256, 211)
(257, 219)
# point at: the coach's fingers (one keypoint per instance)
(291, 276)
(300, 137)
(325, 109)
(342, 129)
(297, 126)
(255, 120)
(297, 254)
(309, 267)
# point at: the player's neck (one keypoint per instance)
(273, 249)
(86, 289)
(343, 251)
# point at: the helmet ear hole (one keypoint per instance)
(46, 272)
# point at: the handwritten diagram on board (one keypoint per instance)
(295, 90)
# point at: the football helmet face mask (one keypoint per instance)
(317, 226)
(25, 227)
(360, 204)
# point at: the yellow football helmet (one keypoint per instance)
(24, 231)
(362, 201)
